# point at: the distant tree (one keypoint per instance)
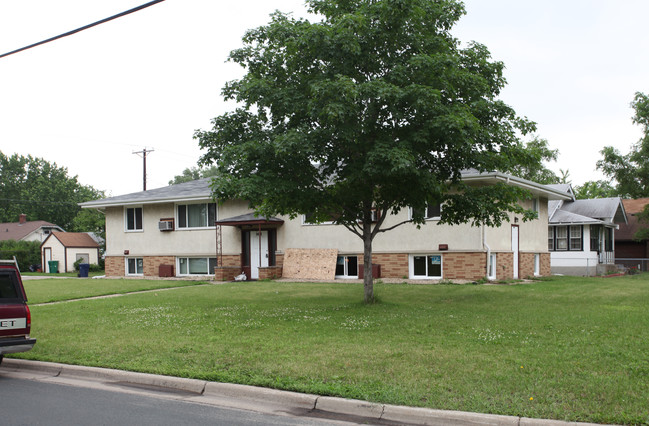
(536, 170)
(631, 171)
(595, 189)
(27, 253)
(193, 173)
(373, 109)
(565, 176)
(41, 190)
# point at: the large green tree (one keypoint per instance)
(44, 191)
(375, 106)
(631, 171)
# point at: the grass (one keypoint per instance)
(61, 289)
(60, 274)
(566, 348)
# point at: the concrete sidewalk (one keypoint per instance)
(255, 398)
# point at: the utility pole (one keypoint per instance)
(144, 152)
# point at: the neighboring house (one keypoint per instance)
(67, 248)
(23, 230)
(581, 233)
(173, 231)
(629, 251)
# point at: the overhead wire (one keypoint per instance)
(85, 27)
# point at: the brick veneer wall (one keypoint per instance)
(464, 266)
(526, 266)
(505, 266)
(393, 265)
(114, 266)
(152, 264)
(226, 273)
(270, 272)
(231, 260)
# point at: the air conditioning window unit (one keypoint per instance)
(166, 225)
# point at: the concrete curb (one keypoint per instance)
(265, 396)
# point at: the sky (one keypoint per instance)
(90, 101)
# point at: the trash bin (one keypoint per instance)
(53, 266)
(83, 270)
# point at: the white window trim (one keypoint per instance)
(126, 267)
(305, 223)
(179, 274)
(411, 267)
(177, 226)
(350, 277)
(410, 214)
(126, 219)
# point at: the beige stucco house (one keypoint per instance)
(180, 231)
(67, 248)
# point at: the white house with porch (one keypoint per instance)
(581, 234)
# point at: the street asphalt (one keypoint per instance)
(255, 398)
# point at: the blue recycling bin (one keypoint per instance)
(84, 268)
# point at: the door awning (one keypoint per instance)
(249, 219)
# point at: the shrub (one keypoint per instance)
(26, 252)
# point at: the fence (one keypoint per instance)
(641, 264)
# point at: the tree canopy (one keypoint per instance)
(631, 171)
(376, 106)
(193, 173)
(44, 191)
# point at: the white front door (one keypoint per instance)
(258, 252)
(515, 249)
(48, 256)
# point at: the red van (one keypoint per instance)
(15, 318)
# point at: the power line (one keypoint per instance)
(119, 15)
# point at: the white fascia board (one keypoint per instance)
(144, 202)
(535, 188)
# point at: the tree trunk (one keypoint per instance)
(368, 280)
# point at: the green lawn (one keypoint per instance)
(55, 290)
(571, 348)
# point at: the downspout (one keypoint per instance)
(486, 246)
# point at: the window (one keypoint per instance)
(84, 257)
(196, 215)
(347, 267)
(594, 237)
(426, 266)
(561, 238)
(535, 205)
(433, 211)
(565, 238)
(537, 265)
(575, 238)
(608, 239)
(134, 218)
(491, 274)
(307, 219)
(196, 265)
(134, 266)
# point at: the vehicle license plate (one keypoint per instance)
(12, 323)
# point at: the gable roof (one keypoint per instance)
(592, 211)
(17, 231)
(200, 190)
(74, 239)
(187, 191)
(633, 207)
